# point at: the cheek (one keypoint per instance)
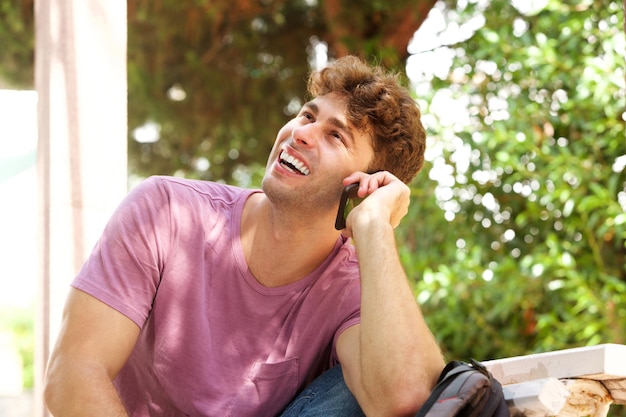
(344, 167)
(369, 162)
(373, 165)
(362, 163)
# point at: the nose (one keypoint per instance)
(304, 135)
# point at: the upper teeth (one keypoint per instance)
(284, 156)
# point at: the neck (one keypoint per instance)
(282, 247)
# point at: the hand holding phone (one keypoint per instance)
(389, 197)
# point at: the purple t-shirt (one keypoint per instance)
(213, 340)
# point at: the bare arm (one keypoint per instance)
(93, 345)
(391, 360)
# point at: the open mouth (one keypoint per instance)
(292, 164)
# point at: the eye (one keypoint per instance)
(308, 116)
(337, 135)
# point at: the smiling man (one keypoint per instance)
(202, 299)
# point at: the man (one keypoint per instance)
(202, 299)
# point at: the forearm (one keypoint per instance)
(78, 389)
(397, 350)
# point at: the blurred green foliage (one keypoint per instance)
(17, 37)
(516, 238)
(19, 321)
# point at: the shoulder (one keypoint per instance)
(171, 189)
(182, 185)
(159, 199)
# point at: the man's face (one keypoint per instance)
(313, 153)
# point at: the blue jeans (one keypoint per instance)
(327, 396)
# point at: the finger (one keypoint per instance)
(356, 176)
(372, 184)
(378, 180)
(362, 179)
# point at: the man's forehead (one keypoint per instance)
(331, 98)
(363, 125)
(332, 103)
(336, 114)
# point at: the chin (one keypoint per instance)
(274, 190)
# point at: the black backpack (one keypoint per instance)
(465, 390)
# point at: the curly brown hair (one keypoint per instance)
(379, 104)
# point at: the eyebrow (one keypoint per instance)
(332, 120)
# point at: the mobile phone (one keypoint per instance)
(347, 203)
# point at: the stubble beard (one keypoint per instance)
(303, 203)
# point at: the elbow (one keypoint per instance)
(404, 399)
(407, 401)
(409, 394)
(417, 388)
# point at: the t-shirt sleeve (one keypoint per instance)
(124, 268)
